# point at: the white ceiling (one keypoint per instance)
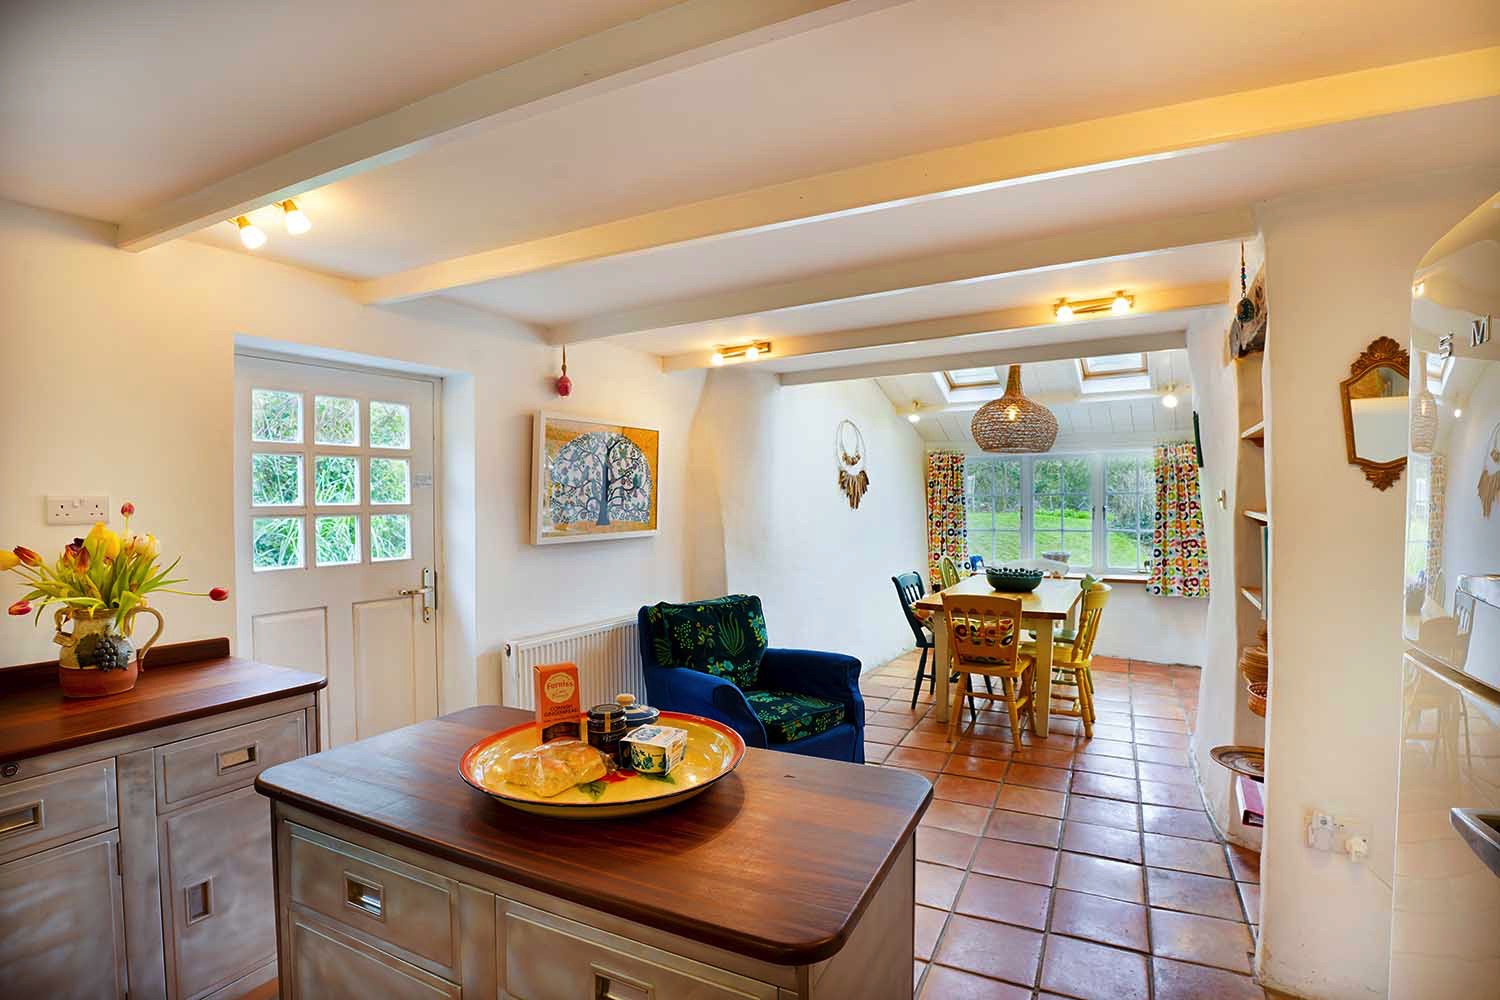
(107, 106)
(107, 109)
(1082, 423)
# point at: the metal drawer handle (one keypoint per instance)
(22, 819)
(228, 760)
(365, 896)
(613, 986)
(198, 900)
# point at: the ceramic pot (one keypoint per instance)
(97, 675)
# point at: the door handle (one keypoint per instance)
(427, 592)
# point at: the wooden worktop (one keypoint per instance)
(777, 861)
(181, 682)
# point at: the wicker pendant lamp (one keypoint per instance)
(1014, 424)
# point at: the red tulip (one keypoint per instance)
(218, 594)
(21, 607)
(27, 556)
(127, 508)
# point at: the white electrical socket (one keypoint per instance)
(77, 510)
(1346, 835)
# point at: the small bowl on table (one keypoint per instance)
(1013, 581)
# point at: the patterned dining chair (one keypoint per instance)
(1072, 663)
(910, 589)
(984, 636)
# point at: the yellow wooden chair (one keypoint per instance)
(984, 638)
(948, 568)
(1072, 662)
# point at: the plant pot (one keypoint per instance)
(97, 658)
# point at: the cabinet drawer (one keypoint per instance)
(547, 956)
(402, 906)
(216, 891)
(324, 962)
(218, 762)
(52, 809)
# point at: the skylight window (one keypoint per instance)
(1114, 373)
(971, 378)
(1113, 365)
(1437, 373)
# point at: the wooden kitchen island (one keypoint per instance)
(793, 877)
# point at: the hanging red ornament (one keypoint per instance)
(564, 384)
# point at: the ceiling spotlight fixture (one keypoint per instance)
(1170, 400)
(1014, 424)
(1458, 411)
(250, 234)
(1118, 303)
(744, 352)
(296, 220)
(1419, 289)
(915, 415)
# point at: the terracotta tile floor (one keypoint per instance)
(1074, 868)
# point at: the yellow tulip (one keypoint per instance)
(111, 545)
(8, 560)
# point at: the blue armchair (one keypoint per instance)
(796, 700)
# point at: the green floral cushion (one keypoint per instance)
(725, 637)
(788, 716)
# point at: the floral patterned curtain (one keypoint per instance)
(947, 517)
(1179, 557)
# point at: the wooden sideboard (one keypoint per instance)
(791, 878)
(135, 854)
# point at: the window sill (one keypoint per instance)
(1112, 577)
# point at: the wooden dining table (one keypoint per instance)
(1052, 602)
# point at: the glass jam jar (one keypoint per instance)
(606, 727)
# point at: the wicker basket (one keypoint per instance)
(1258, 695)
(1255, 664)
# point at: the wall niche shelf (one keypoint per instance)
(1256, 433)
(1253, 595)
(1258, 515)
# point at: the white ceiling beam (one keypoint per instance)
(994, 321)
(1115, 242)
(1057, 351)
(666, 41)
(1024, 157)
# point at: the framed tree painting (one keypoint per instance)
(593, 480)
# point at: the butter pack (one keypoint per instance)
(655, 749)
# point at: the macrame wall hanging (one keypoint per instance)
(1247, 331)
(849, 444)
(1489, 473)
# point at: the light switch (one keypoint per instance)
(77, 510)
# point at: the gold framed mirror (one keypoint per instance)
(1374, 399)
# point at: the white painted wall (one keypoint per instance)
(775, 523)
(119, 379)
(1339, 272)
(1141, 626)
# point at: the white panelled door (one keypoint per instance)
(336, 537)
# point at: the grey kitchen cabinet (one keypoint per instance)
(135, 854)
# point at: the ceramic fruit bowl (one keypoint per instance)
(1013, 581)
(713, 750)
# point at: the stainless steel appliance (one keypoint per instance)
(1445, 925)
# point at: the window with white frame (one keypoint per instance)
(1099, 508)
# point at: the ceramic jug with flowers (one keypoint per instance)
(99, 584)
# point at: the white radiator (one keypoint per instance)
(607, 653)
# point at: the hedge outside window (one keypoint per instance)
(1099, 508)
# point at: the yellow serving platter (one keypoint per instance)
(713, 750)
